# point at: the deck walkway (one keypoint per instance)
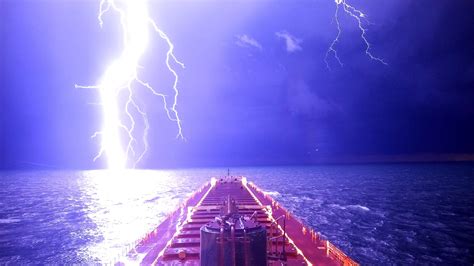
(177, 240)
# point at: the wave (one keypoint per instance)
(152, 199)
(353, 207)
(361, 207)
(272, 193)
(9, 221)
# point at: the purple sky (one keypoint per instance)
(247, 98)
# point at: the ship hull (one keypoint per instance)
(176, 241)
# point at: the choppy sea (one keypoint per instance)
(378, 214)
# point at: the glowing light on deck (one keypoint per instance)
(190, 212)
(122, 77)
(359, 18)
(213, 182)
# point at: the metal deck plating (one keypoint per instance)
(176, 241)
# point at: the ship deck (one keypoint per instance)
(176, 241)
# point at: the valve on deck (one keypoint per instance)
(233, 239)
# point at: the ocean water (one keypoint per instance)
(378, 214)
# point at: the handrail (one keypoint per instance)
(330, 248)
(339, 255)
(274, 226)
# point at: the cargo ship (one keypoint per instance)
(230, 221)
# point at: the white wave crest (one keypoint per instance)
(353, 207)
(360, 207)
(272, 193)
(9, 221)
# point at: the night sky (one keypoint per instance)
(247, 97)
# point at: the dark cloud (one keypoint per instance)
(246, 106)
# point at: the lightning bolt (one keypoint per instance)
(359, 17)
(122, 78)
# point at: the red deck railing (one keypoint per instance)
(175, 238)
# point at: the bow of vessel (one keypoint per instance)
(230, 221)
